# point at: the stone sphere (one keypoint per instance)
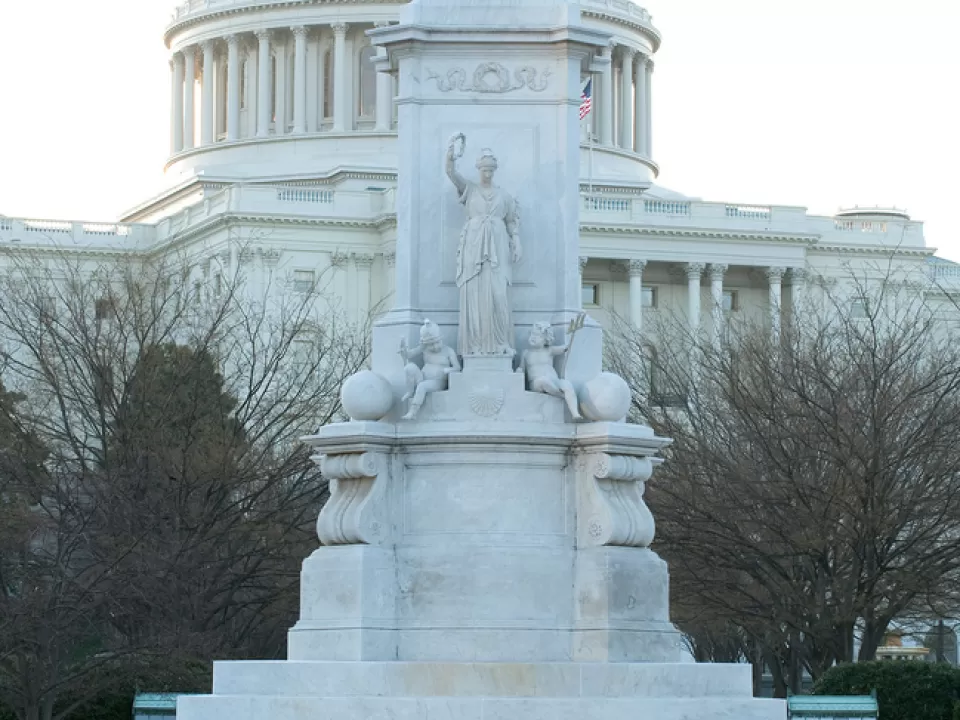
(606, 398)
(366, 396)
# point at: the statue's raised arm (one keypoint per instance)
(452, 155)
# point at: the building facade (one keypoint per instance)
(283, 166)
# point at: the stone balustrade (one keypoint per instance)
(39, 232)
(598, 208)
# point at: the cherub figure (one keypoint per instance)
(439, 361)
(537, 363)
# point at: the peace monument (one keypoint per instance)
(485, 550)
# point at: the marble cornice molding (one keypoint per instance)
(702, 233)
(874, 250)
(199, 17)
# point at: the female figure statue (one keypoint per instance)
(488, 243)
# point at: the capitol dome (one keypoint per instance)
(287, 91)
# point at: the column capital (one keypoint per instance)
(363, 260)
(391, 259)
(299, 31)
(233, 40)
(636, 267)
(641, 59)
(208, 45)
(774, 274)
(717, 271)
(648, 61)
(693, 270)
(798, 274)
(628, 52)
(263, 35)
(583, 260)
(339, 28)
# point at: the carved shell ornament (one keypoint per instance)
(486, 401)
(492, 77)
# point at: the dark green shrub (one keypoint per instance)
(905, 690)
(956, 711)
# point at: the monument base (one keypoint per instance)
(478, 691)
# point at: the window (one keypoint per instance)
(273, 86)
(103, 308)
(303, 280)
(326, 109)
(731, 301)
(222, 99)
(244, 80)
(858, 309)
(368, 82)
(217, 285)
(649, 297)
(590, 294)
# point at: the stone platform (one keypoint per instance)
(478, 691)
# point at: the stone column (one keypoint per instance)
(299, 79)
(626, 104)
(717, 272)
(384, 91)
(648, 109)
(340, 109)
(176, 104)
(233, 87)
(264, 86)
(639, 107)
(207, 80)
(313, 82)
(775, 278)
(189, 90)
(635, 268)
(280, 112)
(798, 289)
(364, 262)
(693, 271)
(606, 99)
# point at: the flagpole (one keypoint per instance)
(590, 151)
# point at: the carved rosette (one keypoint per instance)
(356, 513)
(610, 506)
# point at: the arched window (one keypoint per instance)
(368, 82)
(326, 109)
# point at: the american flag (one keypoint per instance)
(586, 99)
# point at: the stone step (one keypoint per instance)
(516, 680)
(246, 707)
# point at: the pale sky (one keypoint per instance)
(819, 103)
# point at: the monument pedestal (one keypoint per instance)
(491, 559)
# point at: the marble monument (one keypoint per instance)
(485, 553)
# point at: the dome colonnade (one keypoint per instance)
(622, 102)
(278, 80)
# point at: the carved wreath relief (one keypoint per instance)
(492, 77)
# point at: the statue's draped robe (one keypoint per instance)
(484, 273)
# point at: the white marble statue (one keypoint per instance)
(439, 361)
(489, 243)
(542, 376)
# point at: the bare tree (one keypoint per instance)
(175, 503)
(813, 489)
